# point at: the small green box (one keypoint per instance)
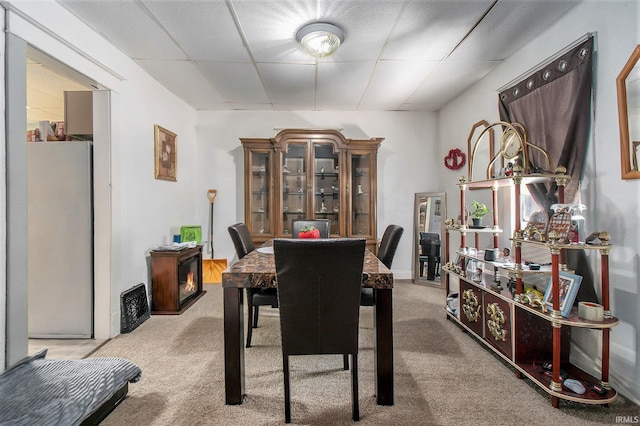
(191, 233)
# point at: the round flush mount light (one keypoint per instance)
(320, 39)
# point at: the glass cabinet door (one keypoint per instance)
(294, 185)
(362, 208)
(326, 186)
(260, 190)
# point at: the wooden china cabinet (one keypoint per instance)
(310, 174)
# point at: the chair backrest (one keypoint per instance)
(427, 240)
(319, 285)
(429, 236)
(321, 225)
(241, 238)
(389, 244)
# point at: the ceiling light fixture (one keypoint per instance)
(320, 39)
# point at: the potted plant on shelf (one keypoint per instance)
(479, 210)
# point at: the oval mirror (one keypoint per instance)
(430, 212)
(628, 85)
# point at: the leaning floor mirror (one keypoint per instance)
(429, 216)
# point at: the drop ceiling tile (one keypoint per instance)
(342, 83)
(270, 28)
(394, 81)
(128, 26)
(291, 84)
(430, 30)
(366, 26)
(252, 107)
(447, 81)
(209, 105)
(205, 30)
(183, 79)
(334, 106)
(236, 82)
(509, 26)
(423, 107)
(291, 107)
(387, 31)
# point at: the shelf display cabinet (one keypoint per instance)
(311, 174)
(496, 305)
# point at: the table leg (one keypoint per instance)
(233, 345)
(431, 268)
(384, 346)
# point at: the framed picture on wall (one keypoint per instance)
(166, 154)
(569, 285)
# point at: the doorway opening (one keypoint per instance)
(60, 220)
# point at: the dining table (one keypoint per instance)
(257, 270)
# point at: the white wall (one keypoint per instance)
(612, 204)
(144, 211)
(406, 164)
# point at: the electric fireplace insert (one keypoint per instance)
(176, 279)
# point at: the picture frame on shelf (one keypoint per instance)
(166, 154)
(560, 222)
(569, 285)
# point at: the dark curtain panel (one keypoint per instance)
(554, 105)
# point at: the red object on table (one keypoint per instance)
(309, 232)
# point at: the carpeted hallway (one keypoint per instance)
(442, 377)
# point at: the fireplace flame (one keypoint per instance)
(190, 285)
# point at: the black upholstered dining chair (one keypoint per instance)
(386, 252)
(321, 225)
(319, 290)
(430, 251)
(255, 297)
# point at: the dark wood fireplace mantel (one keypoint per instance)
(168, 272)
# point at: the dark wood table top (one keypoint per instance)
(258, 270)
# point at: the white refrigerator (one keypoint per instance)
(60, 239)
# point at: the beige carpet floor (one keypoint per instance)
(442, 376)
